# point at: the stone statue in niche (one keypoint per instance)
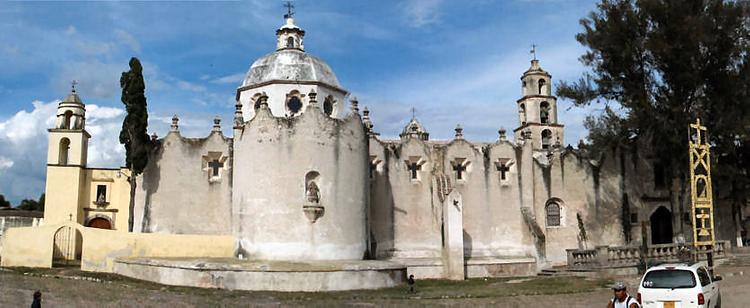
(100, 199)
(313, 193)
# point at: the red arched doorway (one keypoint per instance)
(100, 223)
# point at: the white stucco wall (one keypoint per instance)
(272, 157)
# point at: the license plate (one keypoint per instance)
(668, 304)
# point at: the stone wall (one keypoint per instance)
(179, 192)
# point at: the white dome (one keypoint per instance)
(290, 64)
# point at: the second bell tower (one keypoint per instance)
(537, 109)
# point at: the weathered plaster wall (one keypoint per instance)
(102, 247)
(28, 246)
(9, 220)
(178, 193)
(415, 219)
(273, 157)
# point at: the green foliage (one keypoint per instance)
(666, 63)
(134, 133)
(32, 205)
(3, 202)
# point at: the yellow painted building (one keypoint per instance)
(92, 197)
(86, 212)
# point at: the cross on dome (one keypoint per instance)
(289, 10)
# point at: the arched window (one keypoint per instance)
(553, 214)
(328, 105)
(294, 105)
(546, 138)
(66, 120)
(64, 149)
(522, 113)
(542, 83)
(290, 42)
(544, 113)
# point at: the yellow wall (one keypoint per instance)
(77, 153)
(102, 247)
(28, 246)
(63, 195)
(32, 246)
(118, 196)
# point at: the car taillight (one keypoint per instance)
(701, 299)
(639, 298)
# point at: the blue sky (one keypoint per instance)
(454, 61)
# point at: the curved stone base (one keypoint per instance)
(234, 274)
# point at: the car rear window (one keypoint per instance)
(669, 279)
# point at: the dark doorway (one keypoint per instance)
(100, 223)
(661, 226)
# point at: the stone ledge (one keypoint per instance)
(233, 274)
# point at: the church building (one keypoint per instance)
(305, 176)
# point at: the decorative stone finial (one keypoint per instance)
(501, 132)
(459, 132)
(238, 119)
(175, 127)
(355, 104)
(154, 137)
(263, 100)
(73, 86)
(217, 124)
(313, 98)
(366, 120)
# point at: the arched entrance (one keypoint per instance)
(100, 223)
(661, 226)
(66, 249)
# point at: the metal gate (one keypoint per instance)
(64, 247)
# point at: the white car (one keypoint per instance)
(679, 286)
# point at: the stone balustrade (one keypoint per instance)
(627, 256)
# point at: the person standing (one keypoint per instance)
(410, 282)
(37, 303)
(622, 299)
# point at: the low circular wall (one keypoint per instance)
(236, 274)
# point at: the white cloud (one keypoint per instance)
(233, 79)
(23, 146)
(128, 40)
(24, 125)
(5, 163)
(422, 12)
(184, 85)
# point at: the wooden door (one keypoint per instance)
(100, 223)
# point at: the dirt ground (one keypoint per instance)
(106, 290)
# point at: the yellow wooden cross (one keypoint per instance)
(702, 205)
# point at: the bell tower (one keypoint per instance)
(66, 160)
(537, 109)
